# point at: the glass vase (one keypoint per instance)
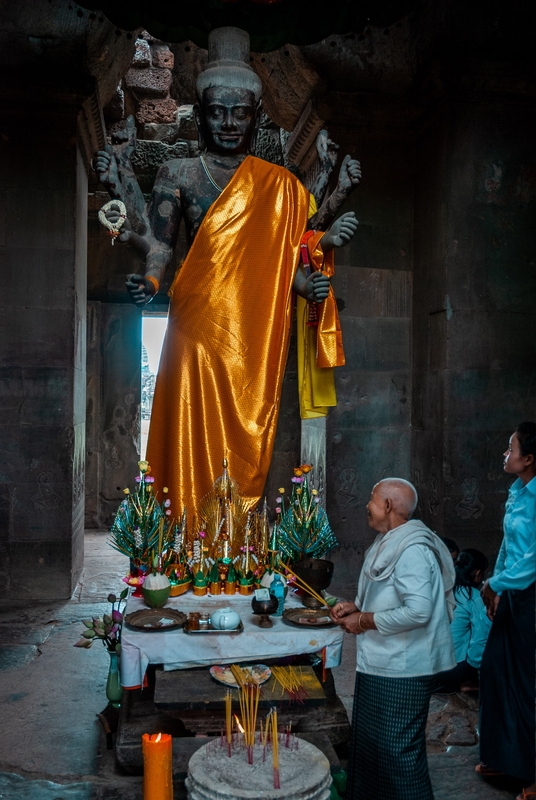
(114, 690)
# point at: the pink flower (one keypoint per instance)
(251, 548)
(278, 499)
(168, 513)
(167, 503)
(202, 534)
(243, 549)
(137, 478)
(149, 479)
(117, 617)
(278, 510)
(317, 499)
(295, 480)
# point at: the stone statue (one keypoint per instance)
(245, 219)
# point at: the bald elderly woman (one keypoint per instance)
(402, 616)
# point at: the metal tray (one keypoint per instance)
(210, 630)
(148, 619)
(293, 616)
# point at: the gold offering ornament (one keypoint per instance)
(113, 227)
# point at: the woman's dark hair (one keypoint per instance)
(526, 433)
(450, 543)
(468, 562)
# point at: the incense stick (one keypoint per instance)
(304, 586)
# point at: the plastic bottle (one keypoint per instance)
(277, 589)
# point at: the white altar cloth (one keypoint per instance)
(178, 650)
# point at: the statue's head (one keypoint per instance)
(228, 93)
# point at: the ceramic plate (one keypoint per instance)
(155, 619)
(259, 672)
(307, 617)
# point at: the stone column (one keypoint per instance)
(474, 330)
(43, 246)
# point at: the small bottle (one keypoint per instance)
(277, 589)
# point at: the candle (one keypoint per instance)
(157, 766)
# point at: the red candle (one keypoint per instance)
(157, 766)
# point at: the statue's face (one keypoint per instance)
(227, 118)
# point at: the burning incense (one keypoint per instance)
(229, 719)
(275, 750)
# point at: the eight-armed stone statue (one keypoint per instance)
(247, 224)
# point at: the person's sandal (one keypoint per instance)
(489, 772)
(526, 793)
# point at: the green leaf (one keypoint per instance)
(123, 594)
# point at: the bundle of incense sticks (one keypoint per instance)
(290, 682)
(229, 720)
(305, 586)
(249, 704)
(275, 749)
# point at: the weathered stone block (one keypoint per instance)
(168, 132)
(159, 110)
(39, 569)
(186, 122)
(371, 399)
(115, 109)
(373, 292)
(149, 81)
(376, 344)
(142, 55)
(163, 58)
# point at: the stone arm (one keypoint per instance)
(114, 170)
(349, 178)
(315, 288)
(327, 159)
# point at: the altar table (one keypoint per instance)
(175, 649)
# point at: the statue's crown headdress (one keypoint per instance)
(228, 63)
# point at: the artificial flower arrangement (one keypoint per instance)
(106, 628)
(302, 528)
(144, 528)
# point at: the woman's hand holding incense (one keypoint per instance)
(340, 610)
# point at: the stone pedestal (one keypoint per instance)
(213, 775)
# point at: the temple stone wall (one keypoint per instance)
(43, 251)
(368, 433)
(474, 324)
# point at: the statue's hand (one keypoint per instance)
(113, 215)
(349, 175)
(327, 151)
(340, 232)
(316, 287)
(106, 168)
(141, 290)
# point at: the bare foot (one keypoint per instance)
(528, 791)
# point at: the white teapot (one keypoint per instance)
(225, 619)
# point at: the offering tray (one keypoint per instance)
(156, 619)
(259, 674)
(307, 617)
(208, 629)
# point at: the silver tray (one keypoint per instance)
(210, 630)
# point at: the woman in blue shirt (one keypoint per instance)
(507, 671)
(470, 626)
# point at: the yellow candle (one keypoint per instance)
(157, 766)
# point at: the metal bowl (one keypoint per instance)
(317, 573)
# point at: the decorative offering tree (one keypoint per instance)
(302, 529)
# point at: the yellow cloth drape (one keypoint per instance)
(319, 348)
(219, 383)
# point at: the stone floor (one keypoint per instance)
(53, 747)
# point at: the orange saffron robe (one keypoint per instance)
(219, 383)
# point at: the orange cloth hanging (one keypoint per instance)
(219, 383)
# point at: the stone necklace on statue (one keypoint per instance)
(209, 176)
